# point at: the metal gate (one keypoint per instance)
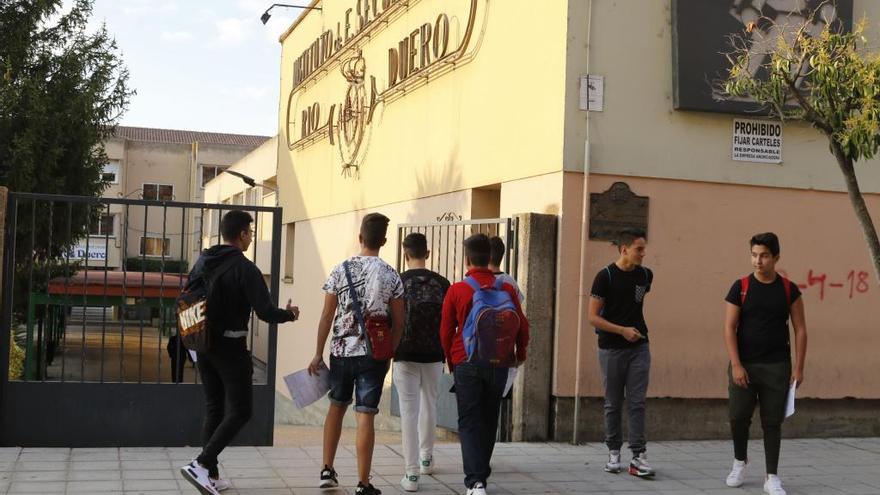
(447, 258)
(110, 372)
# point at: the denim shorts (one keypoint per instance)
(361, 375)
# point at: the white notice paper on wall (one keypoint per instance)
(789, 405)
(592, 94)
(757, 141)
(305, 388)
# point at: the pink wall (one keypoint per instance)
(698, 245)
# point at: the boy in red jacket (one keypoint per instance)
(478, 388)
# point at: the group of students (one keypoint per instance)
(478, 329)
(758, 308)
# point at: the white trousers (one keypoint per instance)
(417, 386)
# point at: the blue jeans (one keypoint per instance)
(478, 394)
(361, 375)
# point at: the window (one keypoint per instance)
(111, 172)
(104, 226)
(209, 172)
(158, 192)
(155, 246)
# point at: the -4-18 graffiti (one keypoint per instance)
(856, 282)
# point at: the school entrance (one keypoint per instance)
(447, 258)
(90, 355)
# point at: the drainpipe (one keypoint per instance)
(583, 293)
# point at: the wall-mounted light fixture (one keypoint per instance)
(266, 15)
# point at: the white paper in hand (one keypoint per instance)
(511, 376)
(789, 406)
(305, 388)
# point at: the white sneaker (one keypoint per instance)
(737, 474)
(197, 475)
(426, 465)
(221, 484)
(773, 485)
(410, 483)
(478, 489)
(639, 466)
(613, 464)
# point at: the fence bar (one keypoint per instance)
(104, 303)
(162, 290)
(82, 361)
(30, 290)
(47, 328)
(124, 294)
(66, 290)
(141, 299)
(8, 279)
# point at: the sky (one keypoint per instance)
(200, 65)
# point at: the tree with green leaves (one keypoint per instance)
(829, 80)
(63, 87)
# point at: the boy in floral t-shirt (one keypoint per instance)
(352, 370)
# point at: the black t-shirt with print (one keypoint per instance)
(623, 294)
(763, 333)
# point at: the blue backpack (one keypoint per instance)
(490, 332)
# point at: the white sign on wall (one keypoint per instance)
(592, 93)
(757, 141)
(97, 251)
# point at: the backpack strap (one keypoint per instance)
(358, 313)
(473, 283)
(787, 284)
(608, 270)
(212, 275)
(499, 283)
(743, 290)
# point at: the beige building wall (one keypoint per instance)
(639, 136)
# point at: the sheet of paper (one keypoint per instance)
(789, 406)
(193, 355)
(306, 389)
(511, 376)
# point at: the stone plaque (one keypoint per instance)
(616, 209)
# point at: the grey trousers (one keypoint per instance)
(625, 374)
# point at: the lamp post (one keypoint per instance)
(266, 15)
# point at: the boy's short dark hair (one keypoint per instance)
(496, 245)
(415, 246)
(626, 237)
(374, 226)
(233, 223)
(478, 250)
(768, 240)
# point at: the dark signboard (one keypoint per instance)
(616, 209)
(701, 31)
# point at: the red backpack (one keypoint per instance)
(744, 289)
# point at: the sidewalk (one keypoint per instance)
(826, 467)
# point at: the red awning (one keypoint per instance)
(127, 284)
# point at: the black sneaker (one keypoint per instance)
(367, 490)
(328, 478)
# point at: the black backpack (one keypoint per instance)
(192, 306)
(424, 304)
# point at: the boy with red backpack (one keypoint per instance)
(756, 333)
(484, 333)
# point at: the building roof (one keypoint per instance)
(178, 136)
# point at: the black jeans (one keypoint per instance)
(768, 386)
(478, 394)
(227, 378)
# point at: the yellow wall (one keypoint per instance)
(496, 118)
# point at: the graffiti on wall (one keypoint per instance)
(835, 285)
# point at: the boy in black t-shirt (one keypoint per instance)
(757, 338)
(616, 302)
